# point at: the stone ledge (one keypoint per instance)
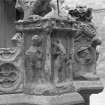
(70, 98)
(83, 85)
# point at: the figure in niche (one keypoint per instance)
(34, 59)
(33, 9)
(59, 57)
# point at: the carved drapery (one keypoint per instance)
(34, 60)
(62, 56)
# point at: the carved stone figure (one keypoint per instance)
(58, 65)
(11, 69)
(33, 60)
(59, 56)
(37, 9)
(33, 9)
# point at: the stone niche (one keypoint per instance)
(48, 59)
(48, 55)
(56, 59)
(60, 59)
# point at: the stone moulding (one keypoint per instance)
(70, 98)
(56, 24)
(11, 70)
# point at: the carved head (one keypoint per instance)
(36, 40)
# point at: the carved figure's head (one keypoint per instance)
(36, 40)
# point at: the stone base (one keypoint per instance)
(86, 88)
(70, 98)
(85, 85)
(81, 97)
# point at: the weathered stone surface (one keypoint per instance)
(57, 58)
(11, 70)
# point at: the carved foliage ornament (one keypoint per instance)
(10, 77)
(9, 54)
(88, 29)
(81, 13)
(34, 59)
(10, 69)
